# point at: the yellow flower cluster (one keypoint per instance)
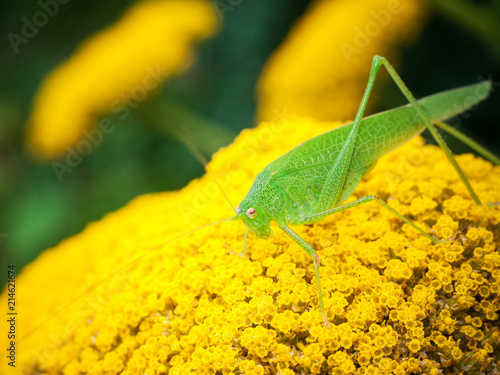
(397, 303)
(324, 61)
(116, 69)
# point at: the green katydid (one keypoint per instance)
(310, 182)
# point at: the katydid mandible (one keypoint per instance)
(310, 182)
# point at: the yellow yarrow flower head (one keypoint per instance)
(322, 64)
(197, 305)
(116, 69)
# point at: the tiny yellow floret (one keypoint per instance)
(397, 303)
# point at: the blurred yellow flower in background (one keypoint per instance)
(324, 61)
(116, 69)
(398, 303)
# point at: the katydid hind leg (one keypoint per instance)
(409, 96)
(358, 202)
(333, 187)
(469, 142)
(473, 145)
(309, 250)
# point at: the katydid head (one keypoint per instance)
(255, 218)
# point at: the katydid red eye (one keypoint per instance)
(252, 213)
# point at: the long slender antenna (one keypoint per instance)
(180, 236)
(182, 136)
(245, 242)
(93, 287)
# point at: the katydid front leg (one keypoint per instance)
(309, 250)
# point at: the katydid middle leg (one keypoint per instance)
(321, 215)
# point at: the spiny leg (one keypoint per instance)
(309, 250)
(378, 61)
(332, 189)
(473, 145)
(368, 198)
(469, 142)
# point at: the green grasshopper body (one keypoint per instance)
(311, 181)
(289, 190)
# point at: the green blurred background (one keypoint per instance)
(38, 211)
